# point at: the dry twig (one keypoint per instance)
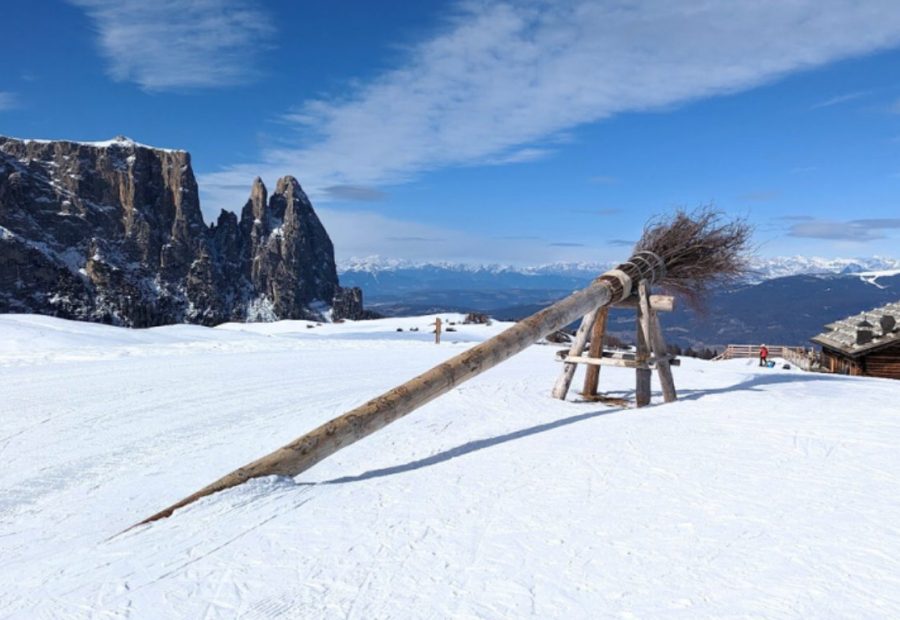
(699, 249)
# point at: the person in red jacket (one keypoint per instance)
(763, 355)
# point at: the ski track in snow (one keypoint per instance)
(761, 493)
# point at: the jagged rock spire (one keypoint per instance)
(123, 240)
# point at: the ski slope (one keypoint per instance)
(762, 493)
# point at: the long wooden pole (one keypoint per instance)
(304, 452)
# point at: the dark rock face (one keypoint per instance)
(113, 232)
(348, 304)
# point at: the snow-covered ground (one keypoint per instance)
(761, 493)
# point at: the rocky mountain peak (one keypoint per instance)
(289, 185)
(255, 210)
(112, 231)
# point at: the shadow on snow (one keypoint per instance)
(752, 384)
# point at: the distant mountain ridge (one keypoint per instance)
(786, 300)
(398, 286)
(763, 268)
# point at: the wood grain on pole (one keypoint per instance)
(561, 389)
(592, 373)
(304, 452)
(642, 374)
(660, 303)
(656, 342)
(663, 367)
(619, 362)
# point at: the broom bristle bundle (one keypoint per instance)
(699, 249)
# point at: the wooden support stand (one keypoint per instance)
(642, 350)
(592, 372)
(581, 337)
(651, 351)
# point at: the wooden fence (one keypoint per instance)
(795, 355)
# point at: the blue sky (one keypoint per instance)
(514, 132)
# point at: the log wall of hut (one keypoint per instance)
(839, 363)
(884, 362)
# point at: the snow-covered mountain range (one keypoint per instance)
(786, 300)
(782, 266)
(763, 268)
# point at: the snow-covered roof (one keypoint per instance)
(841, 335)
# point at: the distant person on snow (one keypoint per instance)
(763, 355)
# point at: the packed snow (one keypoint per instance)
(764, 493)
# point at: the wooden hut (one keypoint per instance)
(864, 344)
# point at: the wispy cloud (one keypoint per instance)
(415, 239)
(356, 193)
(501, 78)
(854, 230)
(179, 44)
(759, 196)
(621, 243)
(8, 101)
(795, 218)
(565, 244)
(364, 233)
(839, 99)
(518, 156)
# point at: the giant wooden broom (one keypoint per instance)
(686, 254)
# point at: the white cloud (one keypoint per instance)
(518, 156)
(355, 193)
(363, 233)
(8, 101)
(504, 78)
(177, 44)
(839, 99)
(861, 230)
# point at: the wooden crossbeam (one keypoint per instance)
(620, 362)
(660, 303)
